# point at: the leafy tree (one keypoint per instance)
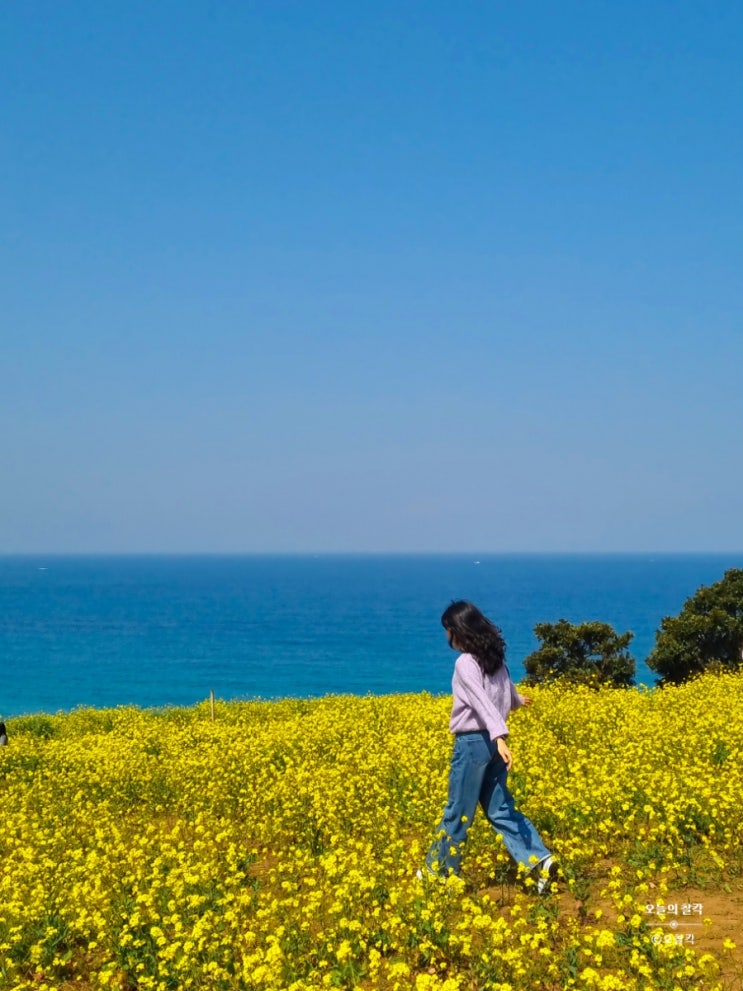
(708, 632)
(589, 653)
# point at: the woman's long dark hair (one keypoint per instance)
(476, 635)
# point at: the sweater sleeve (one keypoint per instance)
(468, 680)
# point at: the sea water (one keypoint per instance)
(155, 631)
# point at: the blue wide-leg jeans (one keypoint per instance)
(478, 774)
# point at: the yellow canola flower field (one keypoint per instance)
(276, 847)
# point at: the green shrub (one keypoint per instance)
(588, 653)
(707, 633)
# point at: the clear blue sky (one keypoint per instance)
(385, 276)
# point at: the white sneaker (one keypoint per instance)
(547, 869)
(452, 881)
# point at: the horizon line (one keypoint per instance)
(374, 553)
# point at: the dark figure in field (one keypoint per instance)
(483, 697)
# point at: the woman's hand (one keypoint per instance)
(525, 700)
(504, 752)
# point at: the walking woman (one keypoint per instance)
(483, 696)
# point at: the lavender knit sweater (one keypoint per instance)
(481, 701)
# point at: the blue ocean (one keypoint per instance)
(158, 631)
